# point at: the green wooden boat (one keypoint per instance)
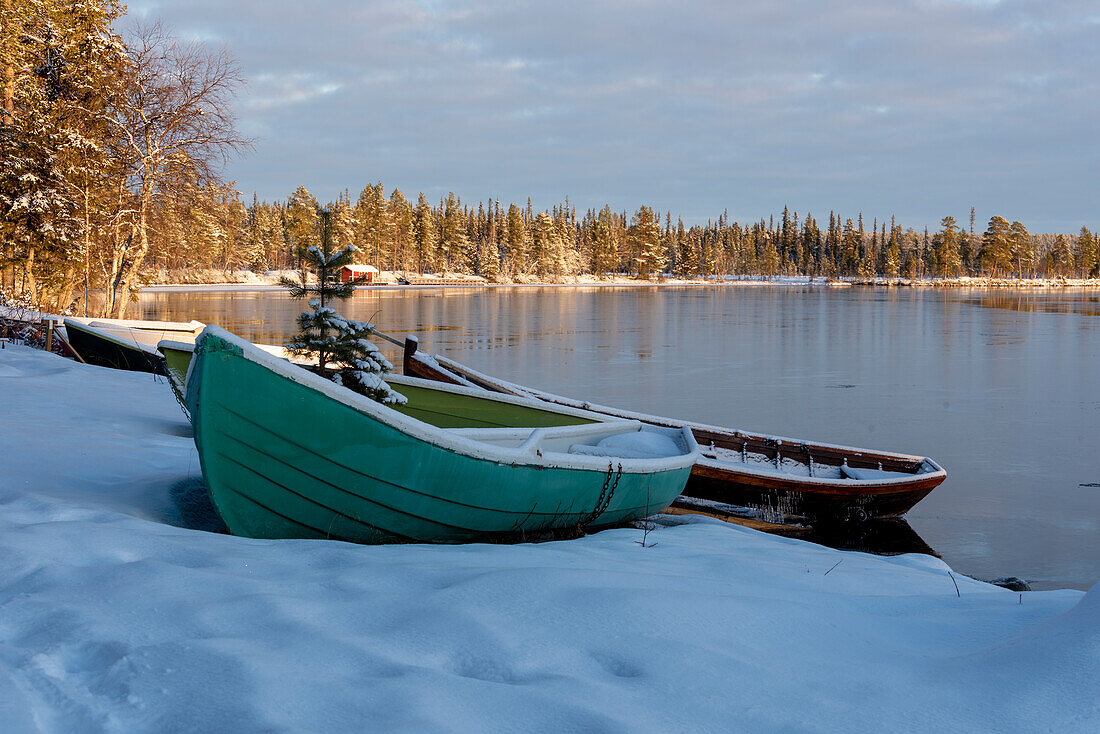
(288, 454)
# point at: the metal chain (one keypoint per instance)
(605, 496)
(179, 397)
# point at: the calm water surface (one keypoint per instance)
(1001, 387)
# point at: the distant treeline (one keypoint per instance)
(111, 150)
(507, 242)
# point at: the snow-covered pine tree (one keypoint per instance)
(301, 220)
(1063, 255)
(342, 346)
(769, 257)
(515, 239)
(342, 227)
(866, 269)
(52, 55)
(947, 249)
(454, 244)
(489, 258)
(996, 252)
(1023, 255)
(687, 261)
(542, 244)
(424, 234)
(891, 259)
(565, 241)
(371, 223)
(1088, 253)
(645, 236)
(401, 230)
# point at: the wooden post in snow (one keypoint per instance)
(411, 345)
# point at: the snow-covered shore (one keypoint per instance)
(118, 613)
(264, 282)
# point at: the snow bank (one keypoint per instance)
(119, 616)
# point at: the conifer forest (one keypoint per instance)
(113, 151)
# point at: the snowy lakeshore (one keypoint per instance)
(121, 611)
(245, 280)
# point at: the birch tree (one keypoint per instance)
(173, 108)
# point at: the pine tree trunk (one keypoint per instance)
(87, 246)
(7, 107)
(30, 285)
(68, 283)
(9, 67)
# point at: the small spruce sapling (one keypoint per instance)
(342, 347)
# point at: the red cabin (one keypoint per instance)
(350, 272)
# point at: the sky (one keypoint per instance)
(913, 108)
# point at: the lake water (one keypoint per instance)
(1001, 387)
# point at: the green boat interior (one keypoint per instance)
(452, 409)
(432, 403)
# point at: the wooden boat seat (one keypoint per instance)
(616, 438)
(849, 472)
(643, 444)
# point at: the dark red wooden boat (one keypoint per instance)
(785, 479)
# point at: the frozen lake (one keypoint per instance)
(999, 386)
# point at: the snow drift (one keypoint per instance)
(120, 611)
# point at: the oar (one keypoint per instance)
(408, 347)
(388, 338)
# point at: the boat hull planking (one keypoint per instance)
(817, 503)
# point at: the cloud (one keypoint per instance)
(916, 107)
(269, 91)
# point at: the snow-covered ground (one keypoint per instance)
(119, 613)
